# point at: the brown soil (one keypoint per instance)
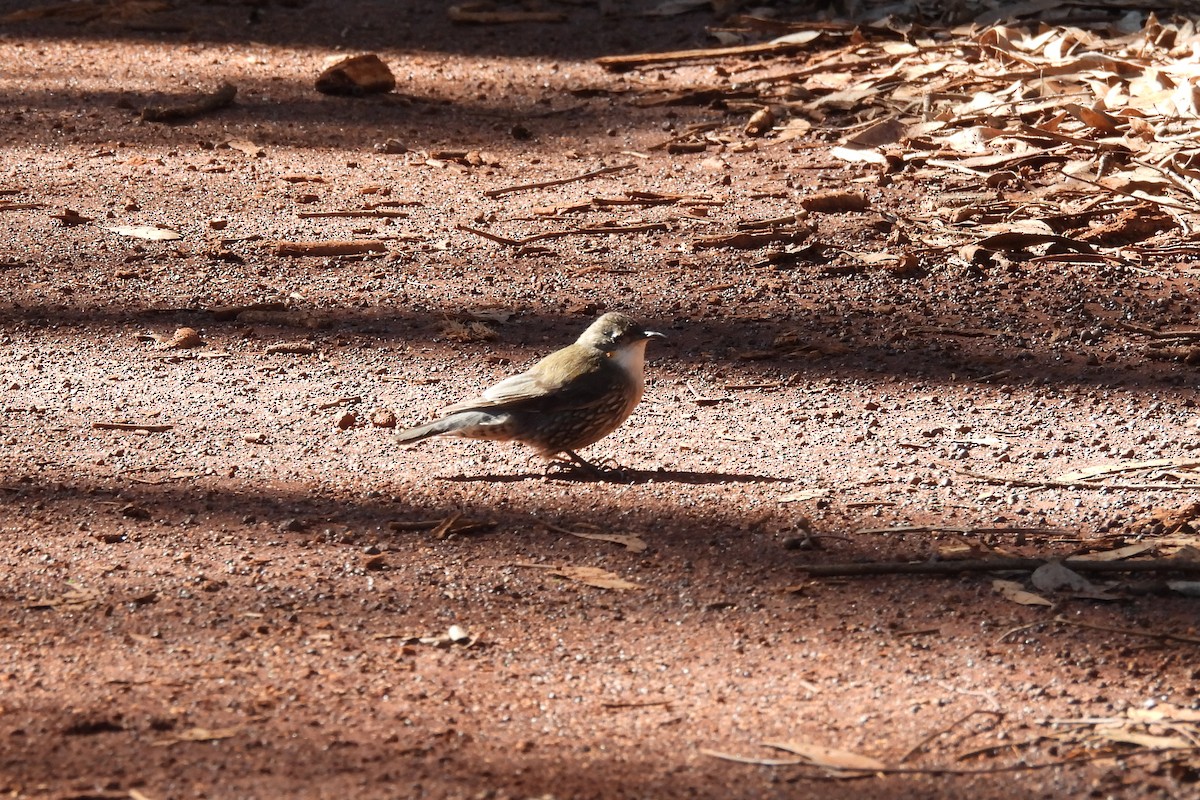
(241, 604)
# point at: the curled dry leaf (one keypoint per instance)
(1011, 590)
(1053, 576)
(761, 122)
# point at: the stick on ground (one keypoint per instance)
(558, 181)
(193, 107)
(997, 565)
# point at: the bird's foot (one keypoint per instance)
(572, 462)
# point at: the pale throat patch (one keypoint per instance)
(632, 359)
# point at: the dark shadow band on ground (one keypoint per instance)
(419, 26)
(867, 347)
(302, 744)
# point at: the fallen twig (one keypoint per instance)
(490, 236)
(364, 212)
(687, 133)
(443, 528)
(964, 531)
(341, 401)
(751, 240)
(538, 237)
(637, 704)
(131, 426)
(329, 248)
(919, 746)
(558, 181)
(620, 63)
(1174, 637)
(787, 762)
(998, 564)
(1187, 333)
(1038, 483)
(193, 107)
(459, 525)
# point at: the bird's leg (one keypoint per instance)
(560, 463)
(595, 470)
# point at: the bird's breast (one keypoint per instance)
(632, 361)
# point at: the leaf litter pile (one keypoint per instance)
(1097, 134)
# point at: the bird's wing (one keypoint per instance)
(573, 379)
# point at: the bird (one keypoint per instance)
(570, 399)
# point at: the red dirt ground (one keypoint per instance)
(245, 604)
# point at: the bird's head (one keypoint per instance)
(615, 331)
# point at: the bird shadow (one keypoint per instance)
(572, 474)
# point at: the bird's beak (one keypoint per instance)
(652, 335)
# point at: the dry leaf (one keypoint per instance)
(794, 128)
(1011, 590)
(798, 37)
(1125, 466)
(1146, 740)
(200, 735)
(594, 576)
(859, 156)
(247, 147)
(1120, 553)
(761, 122)
(800, 497)
(154, 233)
(1163, 712)
(883, 133)
(761, 762)
(829, 757)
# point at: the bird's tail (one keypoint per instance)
(472, 423)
